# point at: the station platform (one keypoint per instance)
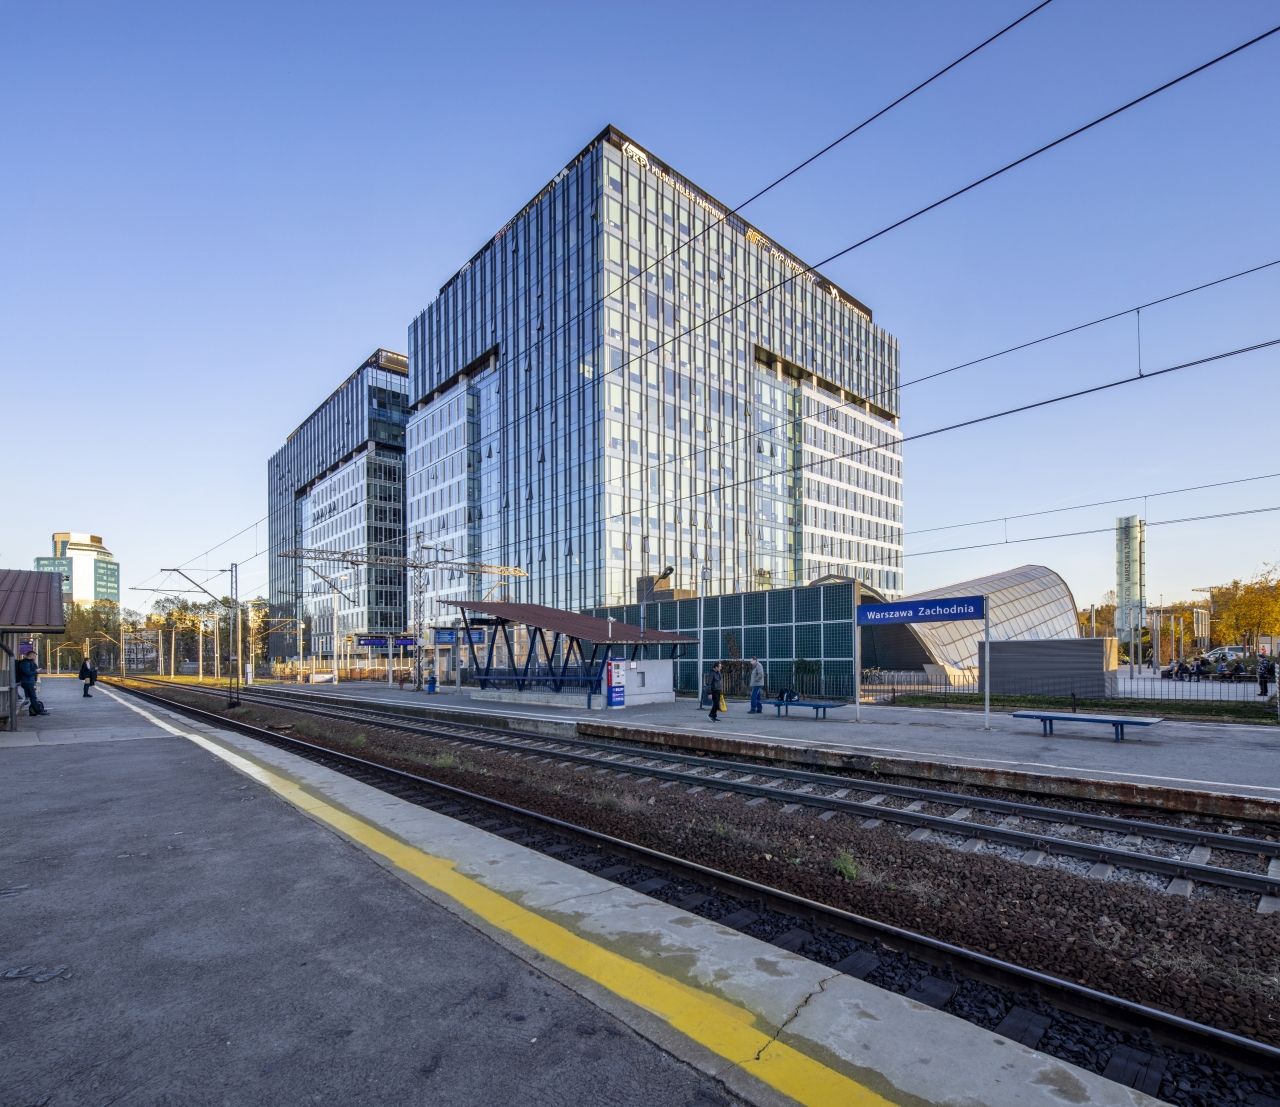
(233, 924)
(1160, 765)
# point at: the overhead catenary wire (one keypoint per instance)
(1095, 530)
(907, 219)
(747, 437)
(904, 220)
(1091, 323)
(994, 415)
(585, 312)
(219, 545)
(1095, 503)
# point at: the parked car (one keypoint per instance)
(1225, 653)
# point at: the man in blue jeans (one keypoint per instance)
(757, 688)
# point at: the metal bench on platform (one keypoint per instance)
(788, 704)
(1119, 722)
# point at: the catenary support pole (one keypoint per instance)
(986, 664)
(200, 650)
(857, 653)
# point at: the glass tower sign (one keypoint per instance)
(627, 377)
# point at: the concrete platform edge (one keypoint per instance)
(807, 1011)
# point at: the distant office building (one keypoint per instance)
(89, 571)
(338, 484)
(590, 409)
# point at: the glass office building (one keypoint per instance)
(627, 377)
(808, 632)
(338, 484)
(90, 573)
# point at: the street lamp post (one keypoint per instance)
(664, 575)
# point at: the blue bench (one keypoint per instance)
(1118, 722)
(788, 704)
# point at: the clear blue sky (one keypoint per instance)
(211, 214)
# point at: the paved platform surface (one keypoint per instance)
(773, 1026)
(222, 922)
(1232, 758)
(73, 718)
(217, 946)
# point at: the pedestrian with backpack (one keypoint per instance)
(28, 673)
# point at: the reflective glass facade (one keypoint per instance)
(590, 409)
(90, 572)
(338, 483)
(780, 627)
(787, 628)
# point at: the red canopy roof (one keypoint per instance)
(586, 627)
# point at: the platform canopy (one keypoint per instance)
(586, 628)
(31, 602)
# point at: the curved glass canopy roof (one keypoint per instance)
(1029, 602)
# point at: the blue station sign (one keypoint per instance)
(922, 611)
(453, 637)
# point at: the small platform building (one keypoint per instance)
(30, 603)
(542, 655)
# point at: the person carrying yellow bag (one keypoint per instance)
(715, 686)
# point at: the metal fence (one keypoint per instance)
(1240, 700)
(917, 688)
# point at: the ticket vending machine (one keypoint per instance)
(616, 680)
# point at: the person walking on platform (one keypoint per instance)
(28, 671)
(757, 688)
(88, 674)
(715, 684)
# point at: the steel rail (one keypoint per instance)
(1038, 812)
(1256, 883)
(1071, 997)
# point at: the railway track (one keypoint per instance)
(1037, 830)
(1034, 1001)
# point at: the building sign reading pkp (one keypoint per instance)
(922, 611)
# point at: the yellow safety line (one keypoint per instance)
(723, 1027)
